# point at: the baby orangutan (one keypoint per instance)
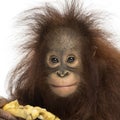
(69, 68)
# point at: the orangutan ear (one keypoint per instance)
(94, 51)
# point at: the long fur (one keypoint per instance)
(99, 97)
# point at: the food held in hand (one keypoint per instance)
(28, 112)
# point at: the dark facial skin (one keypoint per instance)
(64, 62)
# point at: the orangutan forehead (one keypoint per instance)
(63, 38)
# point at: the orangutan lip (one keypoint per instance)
(58, 86)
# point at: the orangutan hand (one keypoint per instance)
(5, 115)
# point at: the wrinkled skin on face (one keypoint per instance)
(63, 61)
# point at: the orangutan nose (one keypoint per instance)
(62, 73)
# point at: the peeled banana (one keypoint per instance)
(28, 112)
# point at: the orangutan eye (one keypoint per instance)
(54, 59)
(71, 59)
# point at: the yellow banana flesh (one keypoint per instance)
(28, 112)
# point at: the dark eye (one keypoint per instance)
(71, 59)
(54, 60)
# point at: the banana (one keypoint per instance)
(28, 112)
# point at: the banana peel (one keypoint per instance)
(28, 112)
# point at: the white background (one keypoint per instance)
(9, 10)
